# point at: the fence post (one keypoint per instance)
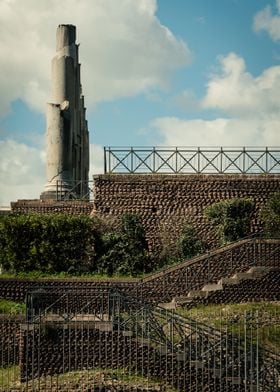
(109, 159)
(131, 160)
(105, 162)
(266, 160)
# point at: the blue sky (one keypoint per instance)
(165, 72)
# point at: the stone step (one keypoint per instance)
(259, 270)
(181, 300)
(235, 380)
(197, 364)
(168, 305)
(228, 281)
(127, 333)
(162, 350)
(252, 273)
(212, 287)
(106, 326)
(197, 294)
(144, 341)
(216, 372)
(181, 356)
(243, 276)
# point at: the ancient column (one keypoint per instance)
(67, 158)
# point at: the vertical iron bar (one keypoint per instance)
(266, 160)
(105, 160)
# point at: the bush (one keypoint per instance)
(231, 217)
(270, 215)
(49, 243)
(189, 245)
(124, 252)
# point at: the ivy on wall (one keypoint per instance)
(231, 218)
(270, 215)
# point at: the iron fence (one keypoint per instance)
(130, 345)
(192, 160)
(79, 190)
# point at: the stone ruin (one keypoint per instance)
(67, 164)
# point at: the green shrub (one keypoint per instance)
(189, 244)
(270, 215)
(231, 217)
(49, 243)
(11, 307)
(124, 252)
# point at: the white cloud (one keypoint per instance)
(21, 172)
(265, 20)
(250, 106)
(96, 160)
(124, 48)
(236, 91)
(218, 132)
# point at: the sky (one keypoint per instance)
(154, 73)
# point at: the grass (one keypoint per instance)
(61, 275)
(11, 307)
(9, 376)
(259, 321)
(10, 379)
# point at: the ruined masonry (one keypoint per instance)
(67, 164)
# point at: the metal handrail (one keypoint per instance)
(192, 160)
(74, 193)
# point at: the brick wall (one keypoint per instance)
(164, 202)
(9, 339)
(50, 206)
(173, 281)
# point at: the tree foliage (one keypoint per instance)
(58, 243)
(231, 217)
(49, 243)
(124, 251)
(270, 215)
(189, 244)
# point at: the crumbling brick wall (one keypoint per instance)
(9, 339)
(174, 281)
(50, 207)
(165, 202)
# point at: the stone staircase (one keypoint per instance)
(253, 274)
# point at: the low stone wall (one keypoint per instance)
(9, 339)
(51, 207)
(170, 282)
(165, 202)
(56, 349)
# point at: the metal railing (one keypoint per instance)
(154, 348)
(192, 160)
(80, 190)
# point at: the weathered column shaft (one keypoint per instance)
(67, 137)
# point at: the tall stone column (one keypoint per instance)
(67, 134)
